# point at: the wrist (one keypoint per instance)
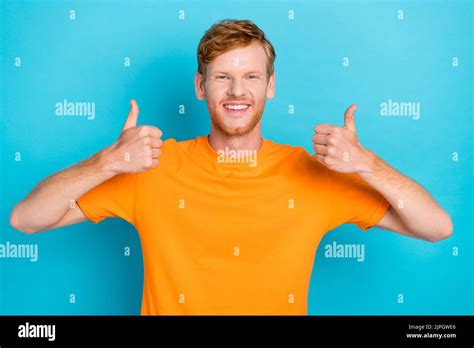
(369, 164)
(104, 162)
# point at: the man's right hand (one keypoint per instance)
(48, 206)
(137, 149)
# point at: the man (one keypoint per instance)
(229, 223)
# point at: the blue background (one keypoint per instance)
(82, 60)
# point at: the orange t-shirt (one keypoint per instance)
(232, 238)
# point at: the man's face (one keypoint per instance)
(236, 88)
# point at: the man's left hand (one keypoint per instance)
(338, 148)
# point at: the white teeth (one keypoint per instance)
(236, 107)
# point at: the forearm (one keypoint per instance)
(50, 200)
(414, 205)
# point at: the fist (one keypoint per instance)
(137, 149)
(338, 148)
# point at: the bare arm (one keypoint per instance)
(52, 203)
(411, 205)
(55, 196)
(413, 211)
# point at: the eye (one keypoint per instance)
(253, 77)
(221, 77)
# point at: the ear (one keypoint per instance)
(271, 87)
(199, 86)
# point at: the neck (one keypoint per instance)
(249, 141)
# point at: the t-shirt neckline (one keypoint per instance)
(225, 160)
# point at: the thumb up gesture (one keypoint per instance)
(338, 148)
(138, 147)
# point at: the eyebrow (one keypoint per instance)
(247, 73)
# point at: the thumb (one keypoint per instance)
(349, 118)
(132, 115)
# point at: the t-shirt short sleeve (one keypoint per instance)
(114, 197)
(352, 200)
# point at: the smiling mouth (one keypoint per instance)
(237, 110)
(236, 107)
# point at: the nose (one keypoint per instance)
(236, 89)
